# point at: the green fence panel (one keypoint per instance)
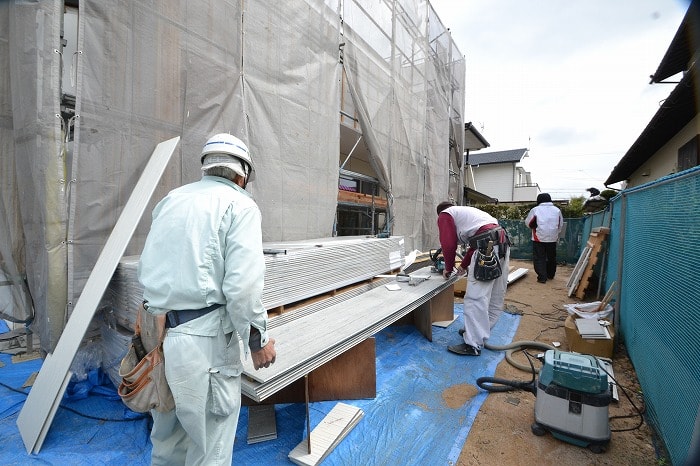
(568, 249)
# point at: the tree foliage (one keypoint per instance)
(572, 209)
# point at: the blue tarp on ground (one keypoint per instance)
(422, 413)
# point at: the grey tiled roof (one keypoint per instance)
(482, 158)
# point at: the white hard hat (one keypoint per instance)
(229, 146)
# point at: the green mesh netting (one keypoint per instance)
(568, 248)
(653, 247)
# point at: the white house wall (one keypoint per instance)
(665, 160)
(495, 180)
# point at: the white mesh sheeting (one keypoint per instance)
(269, 73)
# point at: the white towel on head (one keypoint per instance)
(223, 160)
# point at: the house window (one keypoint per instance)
(688, 154)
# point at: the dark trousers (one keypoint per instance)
(544, 258)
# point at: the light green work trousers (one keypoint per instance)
(203, 373)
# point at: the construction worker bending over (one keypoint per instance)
(486, 264)
(203, 266)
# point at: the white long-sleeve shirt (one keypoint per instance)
(549, 222)
(205, 247)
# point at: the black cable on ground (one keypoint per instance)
(74, 411)
(639, 412)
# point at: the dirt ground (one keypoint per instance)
(501, 433)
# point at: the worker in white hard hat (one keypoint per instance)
(203, 267)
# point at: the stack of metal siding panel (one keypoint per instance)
(304, 269)
(124, 293)
(332, 327)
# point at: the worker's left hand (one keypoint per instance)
(446, 274)
(265, 355)
(460, 270)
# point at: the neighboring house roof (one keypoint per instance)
(504, 156)
(473, 140)
(682, 47)
(478, 197)
(677, 110)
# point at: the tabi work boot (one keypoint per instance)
(464, 350)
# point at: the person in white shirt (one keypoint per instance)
(203, 267)
(546, 222)
(484, 299)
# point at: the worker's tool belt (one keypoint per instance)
(175, 318)
(498, 235)
(487, 266)
(494, 234)
(143, 386)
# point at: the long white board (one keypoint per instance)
(45, 396)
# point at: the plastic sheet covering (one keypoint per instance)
(144, 72)
(92, 425)
(32, 163)
(401, 65)
(422, 413)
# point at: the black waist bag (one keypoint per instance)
(487, 266)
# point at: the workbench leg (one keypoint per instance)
(308, 417)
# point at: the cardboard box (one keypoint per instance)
(595, 347)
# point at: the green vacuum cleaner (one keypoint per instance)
(573, 395)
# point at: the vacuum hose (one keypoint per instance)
(519, 346)
(493, 384)
(488, 384)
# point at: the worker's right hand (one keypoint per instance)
(265, 355)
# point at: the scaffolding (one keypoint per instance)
(89, 88)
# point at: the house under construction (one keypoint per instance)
(353, 111)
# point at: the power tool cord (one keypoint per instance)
(137, 417)
(639, 412)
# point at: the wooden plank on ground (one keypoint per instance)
(575, 277)
(516, 275)
(327, 435)
(42, 402)
(595, 242)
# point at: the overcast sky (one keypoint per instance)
(568, 79)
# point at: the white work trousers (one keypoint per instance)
(206, 385)
(483, 303)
